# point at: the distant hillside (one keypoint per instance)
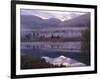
(31, 22)
(81, 21)
(28, 21)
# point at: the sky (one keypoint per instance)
(47, 14)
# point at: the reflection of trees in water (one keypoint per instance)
(56, 46)
(31, 35)
(57, 37)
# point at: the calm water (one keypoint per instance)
(52, 54)
(58, 49)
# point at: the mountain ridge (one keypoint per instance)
(32, 21)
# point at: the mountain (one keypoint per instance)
(31, 22)
(53, 22)
(62, 60)
(80, 21)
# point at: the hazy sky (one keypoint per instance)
(46, 14)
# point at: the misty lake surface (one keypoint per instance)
(51, 53)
